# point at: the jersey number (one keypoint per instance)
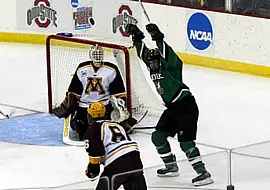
(117, 135)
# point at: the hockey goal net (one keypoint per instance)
(64, 55)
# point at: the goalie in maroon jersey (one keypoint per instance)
(93, 81)
(108, 143)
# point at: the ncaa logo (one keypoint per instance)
(200, 31)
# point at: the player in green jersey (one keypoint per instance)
(181, 115)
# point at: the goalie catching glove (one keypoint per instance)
(67, 107)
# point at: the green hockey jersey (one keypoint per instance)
(168, 80)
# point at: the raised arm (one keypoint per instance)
(166, 52)
(137, 37)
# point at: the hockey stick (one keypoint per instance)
(132, 128)
(142, 117)
(66, 138)
(148, 127)
(144, 11)
(5, 115)
(22, 108)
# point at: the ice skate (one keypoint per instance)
(202, 179)
(168, 172)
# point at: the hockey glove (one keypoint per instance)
(67, 107)
(137, 34)
(129, 125)
(154, 31)
(92, 170)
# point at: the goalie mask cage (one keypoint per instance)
(64, 54)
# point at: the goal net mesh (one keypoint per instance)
(65, 53)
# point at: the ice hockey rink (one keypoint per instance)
(234, 117)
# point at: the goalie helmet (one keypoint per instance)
(96, 54)
(95, 111)
(153, 59)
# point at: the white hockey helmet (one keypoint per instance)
(96, 55)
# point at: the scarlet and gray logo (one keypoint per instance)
(120, 21)
(42, 13)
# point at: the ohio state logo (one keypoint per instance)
(120, 21)
(42, 13)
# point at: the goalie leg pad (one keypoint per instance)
(79, 123)
(79, 129)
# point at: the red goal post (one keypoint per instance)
(62, 41)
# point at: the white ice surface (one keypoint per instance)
(234, 112)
